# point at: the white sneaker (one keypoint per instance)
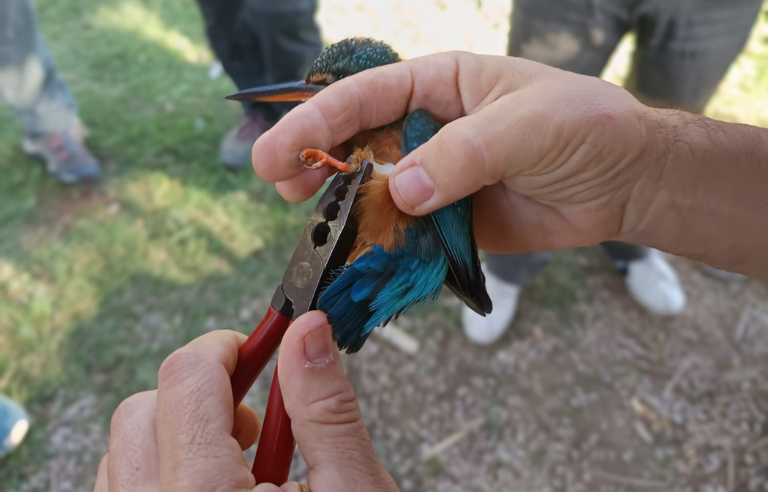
(654, 284)
(489, 329)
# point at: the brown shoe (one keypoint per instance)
(235, 150)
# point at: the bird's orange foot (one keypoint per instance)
(316, 159)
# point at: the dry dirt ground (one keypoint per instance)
(603, 397)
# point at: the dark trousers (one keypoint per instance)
(684, 48)
(262, 42)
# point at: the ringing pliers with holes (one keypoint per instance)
(324, 247)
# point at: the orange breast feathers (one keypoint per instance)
(380, 221)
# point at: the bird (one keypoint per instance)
(399, 261)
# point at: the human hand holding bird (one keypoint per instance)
(550, 156)
(399, 260)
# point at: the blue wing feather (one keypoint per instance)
(380, 285)
(363, 288)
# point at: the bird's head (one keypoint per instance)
(347, 57)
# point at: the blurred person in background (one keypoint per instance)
(32, 87)
(260, 42)
(683, 50)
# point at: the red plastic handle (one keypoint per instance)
(273, 456)
(255, 353)
(276, 443)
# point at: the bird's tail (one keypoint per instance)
(379, 286)
(347, 300)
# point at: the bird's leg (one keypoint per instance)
(316, 159)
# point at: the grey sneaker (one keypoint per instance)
(14, 424)
(65, 156)
(235, 150)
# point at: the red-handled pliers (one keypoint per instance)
(324, 247)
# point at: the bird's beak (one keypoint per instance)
(286, 92)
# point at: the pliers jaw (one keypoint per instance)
(324, 246)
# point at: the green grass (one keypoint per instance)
(98, 285)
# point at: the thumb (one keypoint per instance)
(464, 156)
(324, 412)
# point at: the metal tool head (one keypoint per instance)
(324, 246)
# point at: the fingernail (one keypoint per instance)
(319, 347)
(414, 186)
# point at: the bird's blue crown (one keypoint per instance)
(348, 57)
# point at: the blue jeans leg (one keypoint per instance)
(29, 82)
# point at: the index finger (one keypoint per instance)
(448, 85)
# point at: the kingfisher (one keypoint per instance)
(399, 261)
